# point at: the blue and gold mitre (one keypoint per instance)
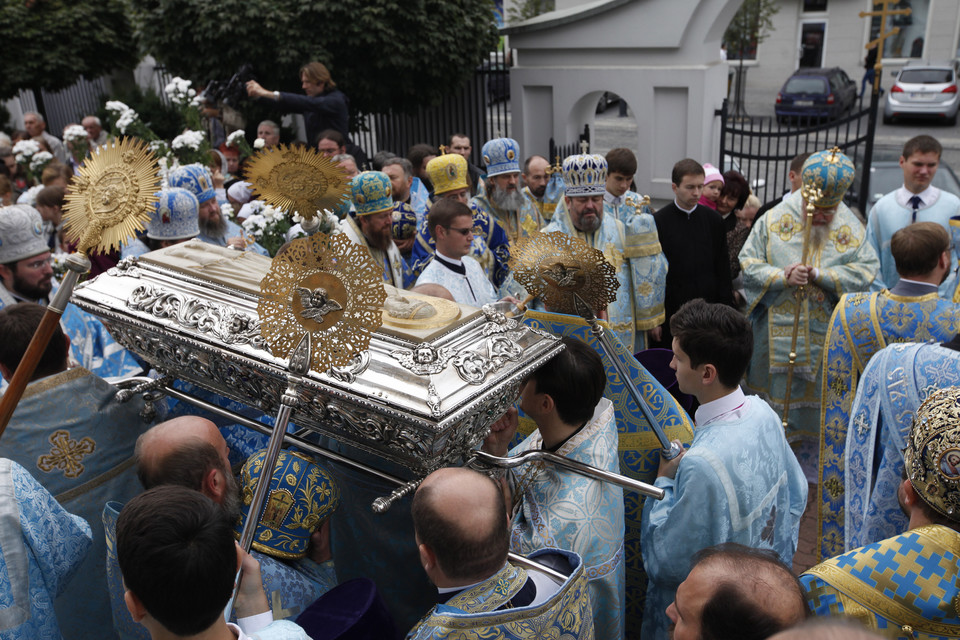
(371, 193)
(175, 216)
(830, 171)
(932, 456)
(196, 179)
(448, 172)
(404, 221)
(501, 155)
(585, 175)
(301, 496)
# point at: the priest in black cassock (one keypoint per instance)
(695, 244)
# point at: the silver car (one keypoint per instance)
(924, 89)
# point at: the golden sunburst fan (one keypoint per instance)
(555, 266)
(112, 196)
(297, 179)
(327, 286)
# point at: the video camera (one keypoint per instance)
(230, 92)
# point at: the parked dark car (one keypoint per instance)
(816, 93)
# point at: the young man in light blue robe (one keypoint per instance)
(916, 201)
(861, 325)
(738, 482)
(574, 420)
(641, 270)
(894, 384)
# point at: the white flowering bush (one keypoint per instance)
(39, 162)
(180, 92)
(24, 150)
(238, 139)
(126, 121)
(268, 226)
(75, 138)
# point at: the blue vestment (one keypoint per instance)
(490, 247)
(41, 546)
(894, 383)
(887, 217)
(484, 611)
(633, 248)
(861, 325)
(73, 436)
(558, 508)
(738, 482)
(639, 449)
(903, 587)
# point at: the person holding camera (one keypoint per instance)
(323, 107)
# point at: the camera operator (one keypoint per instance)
(323, 107)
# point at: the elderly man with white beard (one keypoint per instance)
(502, 198)
(839, 260)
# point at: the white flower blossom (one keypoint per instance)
(188, 139)
(258, 143)
(126, 119)
(40, 160)
(234, 138)
(179, 91)
(24, 150)
(74, 133)
(226, 210)
(117, 107)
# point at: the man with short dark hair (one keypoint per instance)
(419, 155)
(863, 324)
(734, 592)
(451, 224)
(793, 177)
(917, 200)
(323, 107)
(738, 482)
(565, 399)
(178, 557)
(408, 212)
(70, 432)
(463, 535)
(694, 243)
(459, 144)
(909, 582)
(331, 142)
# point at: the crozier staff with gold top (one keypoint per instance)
(110, 200)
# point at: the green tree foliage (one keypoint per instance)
(529, 9)
(750, 26)
(384, 54)
(49, 44)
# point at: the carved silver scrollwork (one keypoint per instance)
(433, 400)
(474, 367)
(376, 428)
(357, 365)
(503, 350)
(424, 359)
(226, 324)
(126, 267)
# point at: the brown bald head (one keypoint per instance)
(460, 517)
(180, 451)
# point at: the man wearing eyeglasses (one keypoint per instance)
(451, 225)
(26, 275)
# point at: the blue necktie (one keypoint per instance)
(916, 203)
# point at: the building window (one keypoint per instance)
(908, 43)
(814, 6)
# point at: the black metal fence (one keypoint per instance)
(480, 109)
(761, 148)
(60, 108)
(558, 152)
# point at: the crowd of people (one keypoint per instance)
(788, 326)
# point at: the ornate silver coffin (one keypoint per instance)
(423, 394)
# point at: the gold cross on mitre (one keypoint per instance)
(883, 13)
(584, 146)
(443, 149)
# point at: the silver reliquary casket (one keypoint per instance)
(434, 378)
